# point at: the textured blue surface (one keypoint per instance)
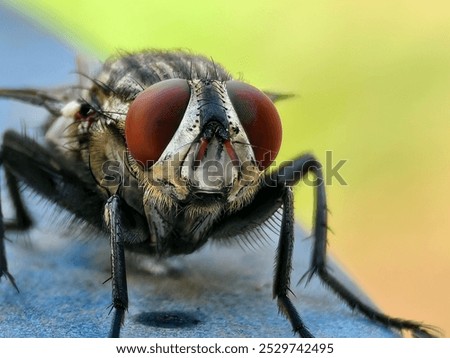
(218, 292)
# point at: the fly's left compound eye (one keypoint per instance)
(260, 119)
(154, 117)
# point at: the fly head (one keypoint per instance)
(202, 144)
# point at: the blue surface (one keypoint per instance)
(29, 57)
(222, 292)
(218, 292)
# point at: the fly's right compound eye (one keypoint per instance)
(154, 117)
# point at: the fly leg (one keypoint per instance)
(22, 220)
(3, 263)
(290, 175)
(24, 160)
(285, 177)
(283, 267)
(113, 221)
(51, 175)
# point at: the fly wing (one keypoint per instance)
(88, 68)
(275, 96)
(52, 100)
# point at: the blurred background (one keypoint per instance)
(372, 85)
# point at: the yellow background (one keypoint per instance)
(372, 80)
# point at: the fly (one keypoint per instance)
(164, 152)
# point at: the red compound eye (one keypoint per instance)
(260, 120)
(154, 117)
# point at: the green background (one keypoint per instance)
(372, 83)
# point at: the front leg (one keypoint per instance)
(285, 177)
(114, 223)
(283, 267)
